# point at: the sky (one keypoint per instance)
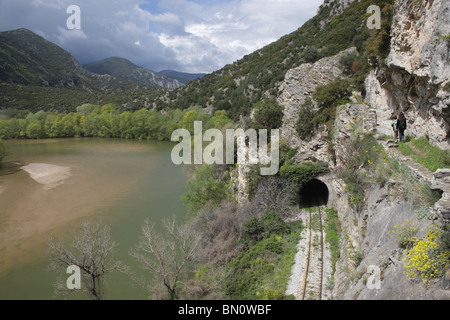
(196, 36)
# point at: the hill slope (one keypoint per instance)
(28, 59)
(36, 74)
(182, 76)
(237, 87)
(126, 70)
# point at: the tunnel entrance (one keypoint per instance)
(314, 194)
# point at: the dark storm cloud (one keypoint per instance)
(190, 36)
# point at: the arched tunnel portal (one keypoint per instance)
(315, 193)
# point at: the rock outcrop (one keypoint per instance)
(416, 71)
(299, 84)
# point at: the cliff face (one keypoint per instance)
(412, 81)
(299, 84)
(416, 71)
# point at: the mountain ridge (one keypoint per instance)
(28, 59)
(124, 69)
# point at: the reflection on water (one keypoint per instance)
(10, 167)
(121, 182)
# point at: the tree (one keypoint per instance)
(206, 187)
(92, 251)
(166, 256)
(305, 124)
(34, 130)
(311, 55)
(333, 94)
(268, 114)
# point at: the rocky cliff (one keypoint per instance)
(299, 84)
(416, 71)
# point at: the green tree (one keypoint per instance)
(337, 92)
(268, 114)
(305, 125)
(203, 189)
(34, 130)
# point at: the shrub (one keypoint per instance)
(329, 97)
(273, 295)
(302, 174)
(268, 114)
(332, 235)
(263, 267)
(203, 189)
(255, 229)
(333, 94)
(347, 61)
(405, 235)
(428, 259)
(305, 125)
(310, 55)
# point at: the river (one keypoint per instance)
(123, 183)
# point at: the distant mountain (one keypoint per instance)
(181, 76)
(126, 70)
(28, 59)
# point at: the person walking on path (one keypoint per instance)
(401, 126)
(394, 127)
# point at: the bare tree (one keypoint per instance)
(220, 230)
(166, 256)
(273, 194)
(92, 250)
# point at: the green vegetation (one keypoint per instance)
(268, 115)
(366, 164)
(333, 235)
(361, 155)
(423, 152)
(405, 235)
(299, 175)
(205, 188)
(255, 229)
(328, 98)
(305, 124)
(263, 271)
(429, 257)
(107, 122)
(66, 100)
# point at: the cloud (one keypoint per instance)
(184, 35)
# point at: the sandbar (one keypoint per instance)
(50, 176)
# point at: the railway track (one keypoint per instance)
(313, 270)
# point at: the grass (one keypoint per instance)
(423, 152)
(263, 271)
(332, 235)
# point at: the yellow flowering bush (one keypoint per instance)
(405, 234)
(427, 260)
